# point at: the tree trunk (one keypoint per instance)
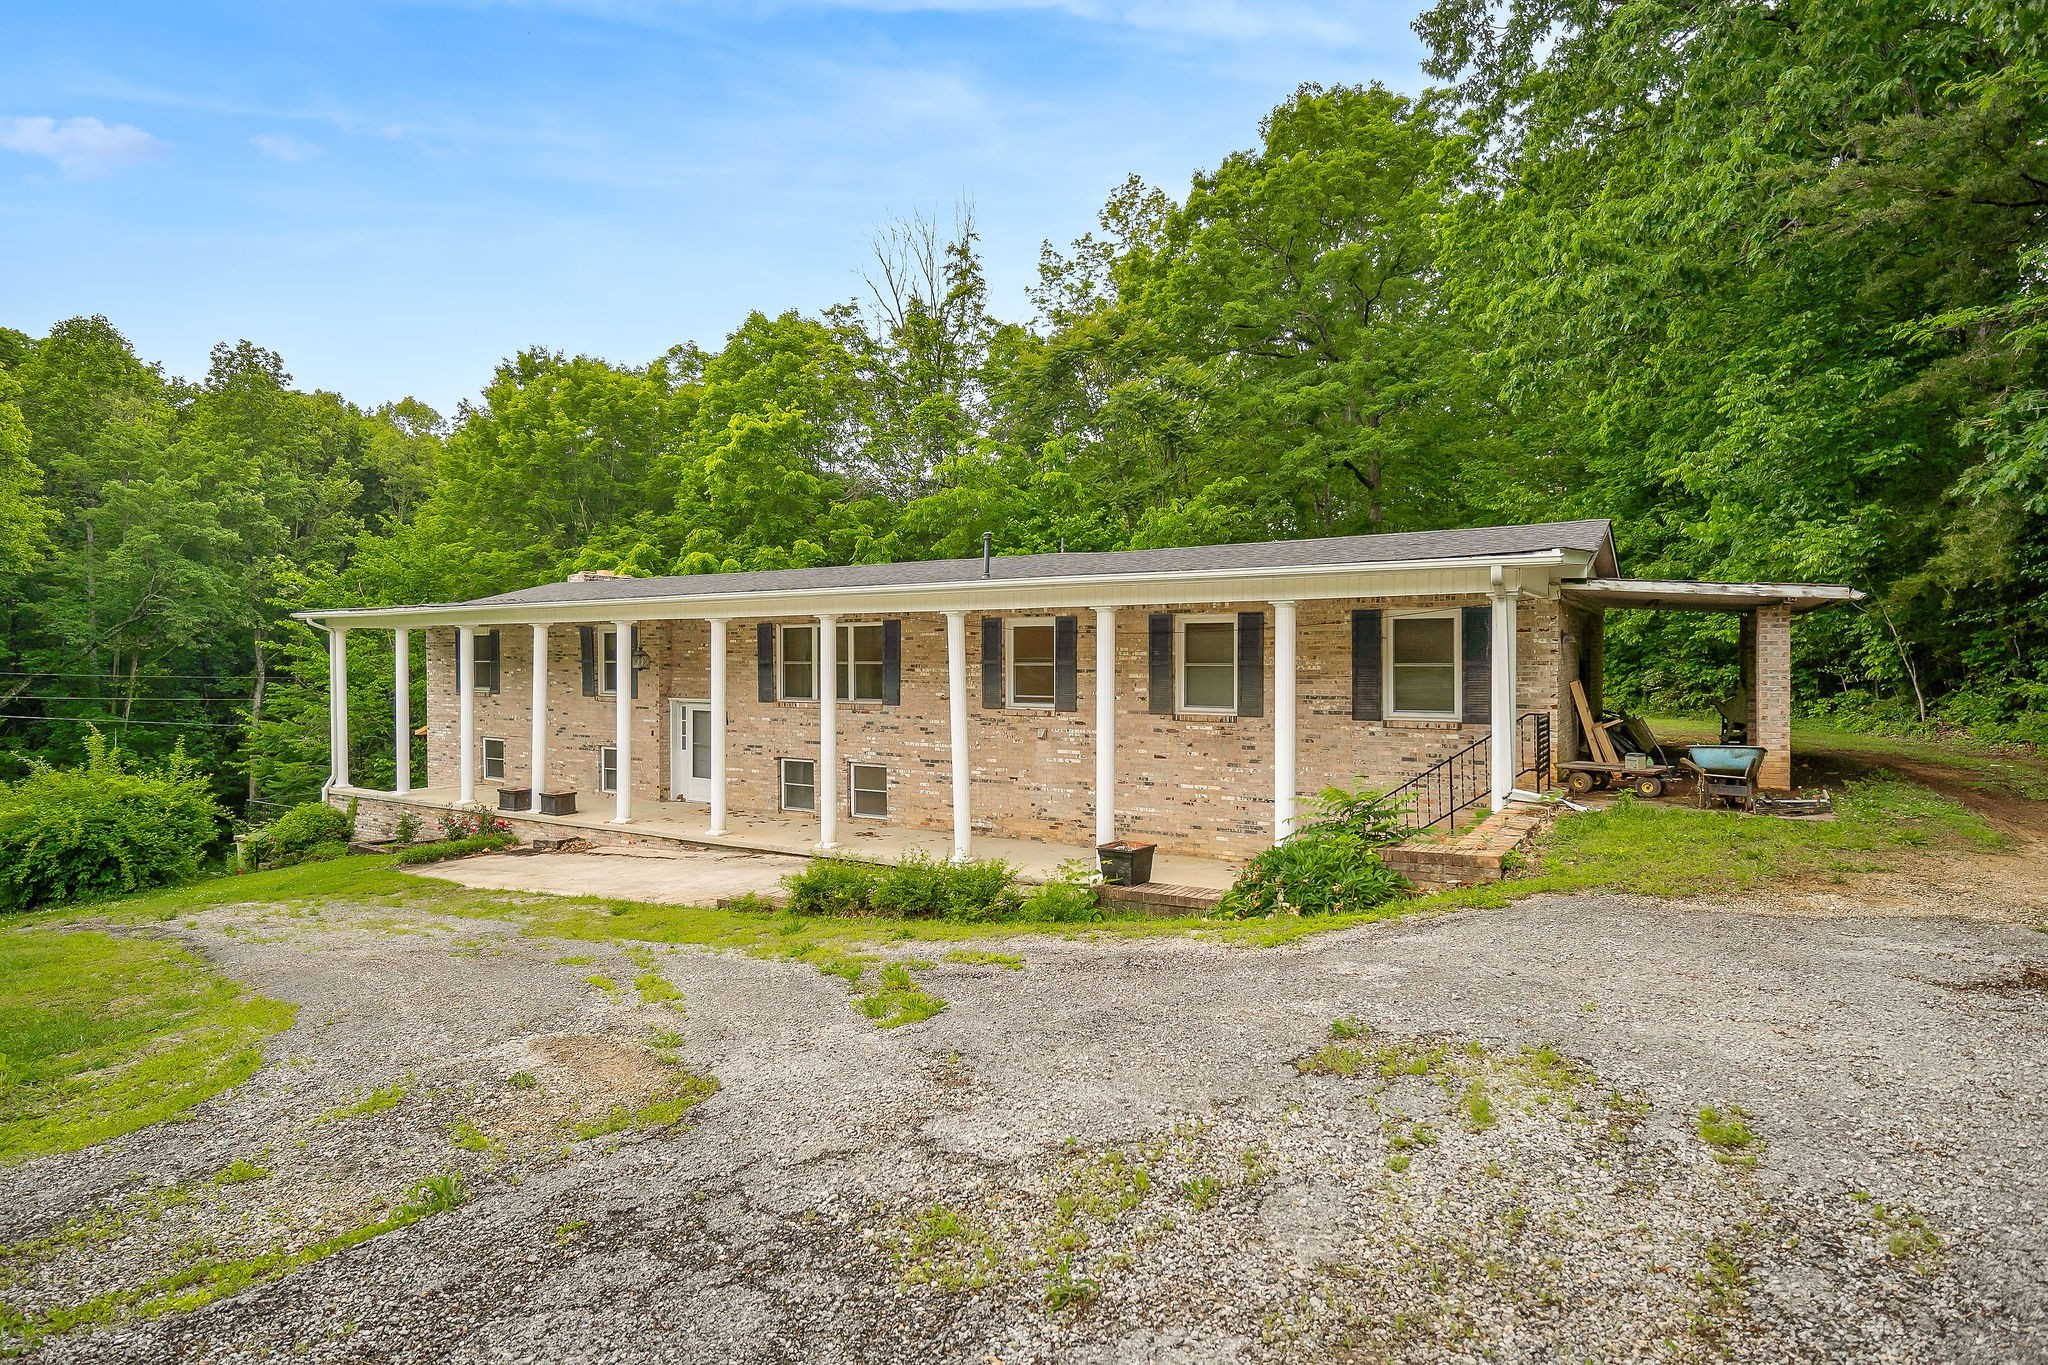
(255, 712)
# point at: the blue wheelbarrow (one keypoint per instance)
(1724, 772)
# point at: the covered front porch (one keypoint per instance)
(688, 824)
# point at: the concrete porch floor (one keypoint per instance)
(688, 824)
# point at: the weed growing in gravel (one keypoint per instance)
(238, 1172)
(205, 1278)
(1908, 1236)
(376, 1102)
(605, 984)
(1333, 1059)
(1346, 1028)
(899, 999)
(1203, 1191)
(1723, 1281)
(654, 988)
(940, 1246)
(100, 1036)
(471, 1138)
(565, 1231)
(522, 1080)
(1009, 961)
(1727, 1131)
(661, 1111)
(1064, 1289)
(575, 960)
(1478, 1107)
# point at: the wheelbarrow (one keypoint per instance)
(1724, 772)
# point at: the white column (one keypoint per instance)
(1283, 720)
(540, 713)
(401, 706)
(337, 706)
(1501, 752)
(717, 727)
(1105, 724)
(622, 738)
(465, 691)
(956, 733)
(828, 732)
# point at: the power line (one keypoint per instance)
(150, 701)
(183, 677)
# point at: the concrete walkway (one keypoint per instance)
(682, 876)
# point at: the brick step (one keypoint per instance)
(1476, 855)
(1159, 898)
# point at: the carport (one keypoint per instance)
(1764, 702)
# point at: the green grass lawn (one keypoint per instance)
(2006, 769)
(101, 1035)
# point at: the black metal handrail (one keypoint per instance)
(1461, 780)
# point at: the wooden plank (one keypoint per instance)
(1596, 735)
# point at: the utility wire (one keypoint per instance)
(111, 722)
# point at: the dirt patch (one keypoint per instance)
(2028, 980)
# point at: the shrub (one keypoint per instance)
(405, 829)
(1330, 866)
(918, 887)
(452, 848)
(303, 834)
(1068, 898)
(468, 824)
(69, 833)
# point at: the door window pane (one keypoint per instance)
(799, 784)
(1031, 664)
(1209, 665)
(871, 790)
(700, 743)
(860, 662)
(1425, 665)
(799, 663)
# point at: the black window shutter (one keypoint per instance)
(626, 657)
(1066, 649)
(892, 662)
(1365, 666)
(1159, 658)
(764, 656)
(1251, 663)
(487, 655)
(587, 637)
(992, 662)
(1476, 677)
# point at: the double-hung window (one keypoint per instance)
(870, 791)
(799, 784)
(1208, 664)
(494, 760)
(1422, 666)
(860, 662)
(608, 768)
(484, 660)
(797, 663)
(608, 663)
(1033, 668)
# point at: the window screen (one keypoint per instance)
(799, 784)
(870, 788)
(860, 662)
(1208, 666)
(1031, 663)
(1424, 652)
(799, 663)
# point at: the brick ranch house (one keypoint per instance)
(1030, 706)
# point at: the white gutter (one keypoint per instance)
(1314, 581)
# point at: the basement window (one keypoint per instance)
(799, 784)
(608, 769)
(1422, 666)
(494, 760)
(870, 789)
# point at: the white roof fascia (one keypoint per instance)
(1537, 571)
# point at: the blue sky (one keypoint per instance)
(395, 196)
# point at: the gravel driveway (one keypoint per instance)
(1124, 1150)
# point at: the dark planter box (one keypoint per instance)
(515, 798)
(558, 803)
(1125, 862)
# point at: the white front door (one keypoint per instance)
(689, 767)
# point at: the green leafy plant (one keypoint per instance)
(104, 828)
(444, 849)
(1329, 866)
(1067, 897)
(307, 833)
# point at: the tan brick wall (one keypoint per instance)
(1772, 701)
(1195, 784)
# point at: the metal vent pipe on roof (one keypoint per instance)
(988, 553)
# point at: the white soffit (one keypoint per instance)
(1685, 595)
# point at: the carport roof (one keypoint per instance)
(1685, 595)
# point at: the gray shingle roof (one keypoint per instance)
(1400, 547)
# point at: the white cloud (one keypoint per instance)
(80, 146)
(284, 146)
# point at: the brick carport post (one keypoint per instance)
(1771, 702)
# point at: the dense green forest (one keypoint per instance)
(1761, 282)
